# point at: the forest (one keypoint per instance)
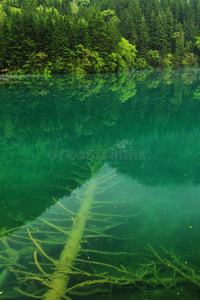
(98, 36)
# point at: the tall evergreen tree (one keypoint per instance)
(128, 27)
(66, 7)
(160, 35)
(136, 14)
(169, 30)
(143, 38)
(179, 44)
(99, 40)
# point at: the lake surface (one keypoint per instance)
(100, 186)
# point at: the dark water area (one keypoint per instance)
(100, 186)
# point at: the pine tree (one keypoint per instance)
(197, 15)
(143, 39)
(136, 14)
(169, 29)
(179, 44)
(164, 4)
(61, 54)
(176, 10)
(66, 7)
(99, 40)
(127, 28)
(151, 25)
(160, 35)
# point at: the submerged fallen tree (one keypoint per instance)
(57, 282)
(61, 276)
(70, 271)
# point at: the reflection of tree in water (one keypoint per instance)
(157, 112)
(93, 113)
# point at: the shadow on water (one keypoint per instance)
(100, 186)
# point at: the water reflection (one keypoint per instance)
(58, 132)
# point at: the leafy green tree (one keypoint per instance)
(197, 43)
(37, 63)
(87, 61)
(153, 58)
(127, 52)
(190, 60)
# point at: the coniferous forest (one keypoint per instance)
(93, 36)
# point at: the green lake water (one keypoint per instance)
(133, 139)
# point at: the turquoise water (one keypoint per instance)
(135, 137)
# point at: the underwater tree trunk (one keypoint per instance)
(3, 276)
(13, 256)
(60, 278)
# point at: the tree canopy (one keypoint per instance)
(90, 36)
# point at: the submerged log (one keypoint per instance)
(61, 276)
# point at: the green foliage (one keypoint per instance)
(127, 52)
(128, 27)
(167, 62)
(153, 58)
(179, 36)
(160, 41)
(164, 33)
(108, 15)
(190, 60)
(197, 43)
(37, 63)
(83, 2)
(114, 62)
(143, 38)
(141, 64)
(87, 61)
